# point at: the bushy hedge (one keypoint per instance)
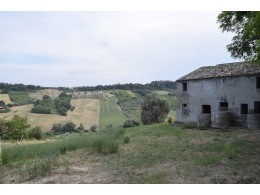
(130, 123)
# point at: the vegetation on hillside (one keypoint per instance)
(20, 98)
(6, 87)
(48, 106)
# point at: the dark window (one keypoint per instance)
(258, 82)
(184, 105)
(244, 109)
(257, 107)
(223, 104)
(206, 109)
(184, 86)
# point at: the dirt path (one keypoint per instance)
(83, 169)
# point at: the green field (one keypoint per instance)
(110, 113)
(20, 98)
(145, 154)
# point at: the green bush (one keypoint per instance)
(169, 120)
(35, 133)
(93, 128)
(154, 110)
(126, 139)
(130, 123)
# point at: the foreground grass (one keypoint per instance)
(156, 154)
(33, 160)
(165, 154)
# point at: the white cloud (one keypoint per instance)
(107, 47)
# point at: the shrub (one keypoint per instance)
(36, 133)
(93, 128)
(169, 120)
(57, 128)
(154, 110)
(69, 127)
(130, 123)
(126, 140)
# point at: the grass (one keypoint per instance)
(164, 154)
(110, 113)
(34, 160)
(159, 153)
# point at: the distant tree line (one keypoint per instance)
(154, 85)
(5, 87)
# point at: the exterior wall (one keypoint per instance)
(234, 90)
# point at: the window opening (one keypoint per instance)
(244, 109)
(223, 104)
(184, 86)
(258, 82)
(257, 108)
(206, 109)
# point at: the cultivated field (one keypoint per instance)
(5, 98)
(86, 112)
(53, 93)
(111, 113)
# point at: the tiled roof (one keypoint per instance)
(223, 70)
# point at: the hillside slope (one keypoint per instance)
(86, 112)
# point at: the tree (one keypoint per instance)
(17, 127)
(246, 26)
(36, 133)
(154, 110)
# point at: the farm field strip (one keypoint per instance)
(53, 93)
(5, 98)
(110, 113)
(85, 112)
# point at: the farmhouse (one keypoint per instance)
(221, 96)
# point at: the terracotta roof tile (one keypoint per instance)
(222, 70)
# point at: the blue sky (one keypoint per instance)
(98, 48)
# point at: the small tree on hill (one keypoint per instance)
(154, 110)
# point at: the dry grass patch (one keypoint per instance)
(85, 112)
(5, 98)
(53, 93)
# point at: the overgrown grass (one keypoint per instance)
(157, 153)
(108, 139)
(165, 154)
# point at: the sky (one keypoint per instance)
(89, 48)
